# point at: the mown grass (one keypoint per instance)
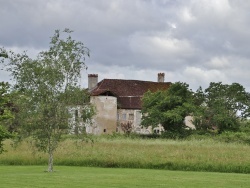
(33, 176)
(192, 155)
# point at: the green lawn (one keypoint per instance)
(34, 176)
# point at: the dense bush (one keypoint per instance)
(245, 126)
(180, 134)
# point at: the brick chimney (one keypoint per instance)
(161, 77)
(92, 81)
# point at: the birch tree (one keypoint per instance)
(45, 85)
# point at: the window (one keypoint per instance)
(104, 130)
(131, 116)
(76, 115)
(124, 116)
(157, 131)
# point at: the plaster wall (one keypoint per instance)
(189, 122)
(105, 120)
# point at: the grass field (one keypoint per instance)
(35, 177)
(194, 155)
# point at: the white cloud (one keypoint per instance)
(201, 77)
(218, 63)
(161, 45)
(187, 16)
(172, 25)
(211, 8)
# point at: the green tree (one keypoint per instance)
(47, 86)
(169, 107)
(5, 113)
(222, 106)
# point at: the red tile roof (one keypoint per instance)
(128, 92)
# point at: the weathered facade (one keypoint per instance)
(76, 122)
(105, 119)
(118, 103)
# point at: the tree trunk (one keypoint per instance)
(50, 163)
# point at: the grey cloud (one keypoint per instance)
(195, 41)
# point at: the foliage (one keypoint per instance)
(181, 134)
(169, 107)
(5, 113)
(80, 110)
(245, 126)
(234, 137)
(47, 85)
(222, 107)
(4, 134)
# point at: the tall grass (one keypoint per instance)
(192, 155)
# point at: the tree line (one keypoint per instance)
(218, 108)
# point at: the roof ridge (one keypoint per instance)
(133, 80)
(101, 82)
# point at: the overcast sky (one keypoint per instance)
(192, 41)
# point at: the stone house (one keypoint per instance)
(118, 102)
